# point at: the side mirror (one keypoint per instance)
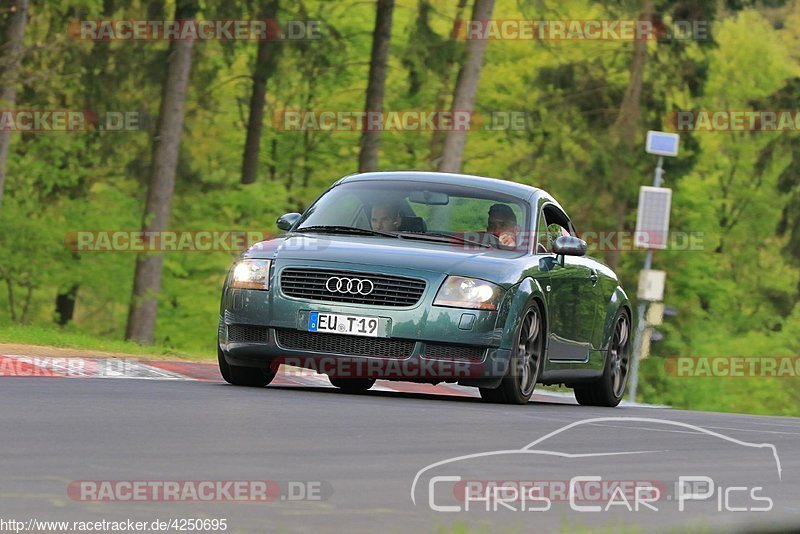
(569, 246)
(286, 221)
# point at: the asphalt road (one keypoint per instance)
(357, 457)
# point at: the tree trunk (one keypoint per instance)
(26, 305)
(421, 25)
(147, 280)
(65, 305)
(11, 306)
(625, 126)
(370, 138)
(273, 158)
(466, 88)
(437, 137)
(10, 60)
(624, 131)
(266, 61)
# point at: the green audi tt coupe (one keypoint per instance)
(428, 277)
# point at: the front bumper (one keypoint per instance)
(422, 342)
(416, 367)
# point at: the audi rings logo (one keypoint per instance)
(353, 286)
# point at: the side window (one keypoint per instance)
(557, 225)
(554, 231)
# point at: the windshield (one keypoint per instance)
(421, 210)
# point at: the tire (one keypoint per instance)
(527, 358)
(610, 388)
(352, 385)
(244, 376)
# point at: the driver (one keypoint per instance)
(386, 217)
(502, 223)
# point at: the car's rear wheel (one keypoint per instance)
(352, 385)
(244, 376)
(610, 388)
(526, 361)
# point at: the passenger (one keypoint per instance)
(502, 223)
(386, 217)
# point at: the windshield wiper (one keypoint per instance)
(436, 235)
(333, 229)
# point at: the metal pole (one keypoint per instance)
(659, 172)
(638, 342)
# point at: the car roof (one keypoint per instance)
(501, 186)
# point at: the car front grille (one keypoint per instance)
(459, 353)
(344, 345)
(245, 333)
(387, 290)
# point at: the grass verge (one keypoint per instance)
(56, 337)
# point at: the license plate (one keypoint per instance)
(334, 323)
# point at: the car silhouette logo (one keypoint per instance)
(532, 447)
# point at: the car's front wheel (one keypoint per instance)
(610, 388)
(526, 361)
(244, 376)
(352, 385)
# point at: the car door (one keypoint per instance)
(604, 284)
(571, 299)
(591, 299)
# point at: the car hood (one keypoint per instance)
(449, 258)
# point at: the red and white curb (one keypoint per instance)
(120, 368)
(57, 367)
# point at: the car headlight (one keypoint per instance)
(251, 274)
(461, 292)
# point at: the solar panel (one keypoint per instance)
(662, 143)
(652, 222)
